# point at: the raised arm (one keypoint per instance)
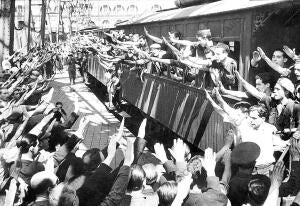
(183, 42)
(234, 93)
(251, 89)
(153, 38)
(282, 71)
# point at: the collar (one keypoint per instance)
(284, 102)
(42, 198)
(26, 157)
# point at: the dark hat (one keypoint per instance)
(245, 153)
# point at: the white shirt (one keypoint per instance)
(263, 137)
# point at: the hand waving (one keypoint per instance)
(178, 150)
(261, 53)
(277, 174)
(209, 162)
(160, 153)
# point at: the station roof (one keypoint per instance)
(223, 6)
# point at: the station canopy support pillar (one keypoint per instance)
(7, 8)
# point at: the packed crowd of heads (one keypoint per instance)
(44, 162)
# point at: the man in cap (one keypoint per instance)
(244, 157)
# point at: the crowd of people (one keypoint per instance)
(44, 162)
(266, 120)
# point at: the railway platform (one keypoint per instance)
(102, 123)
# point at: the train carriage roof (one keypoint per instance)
(223, 6)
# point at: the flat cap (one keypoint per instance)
(245, 153)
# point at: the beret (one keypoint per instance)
(245, 153)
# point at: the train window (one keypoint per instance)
(234, 47)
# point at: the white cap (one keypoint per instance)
(155, 46)
(41, 176)
(286, 84)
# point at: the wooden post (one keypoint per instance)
(29, 25)
(7, 8)
(12, 27)
(43, 21)
(59, 21)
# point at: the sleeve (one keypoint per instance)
(288, 187)
(231, 67)
(297, 116)
(63, 112)
(118, 189)
(213, 182)
(64, 150)
(139, 146)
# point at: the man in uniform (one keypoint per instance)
(244, 157)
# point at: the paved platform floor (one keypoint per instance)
(102, 123)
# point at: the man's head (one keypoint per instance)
(34, 74)
(258, 189)
(194, 166)
(221, 52)
(151, 173)
(175, 35)
(130, 53)
(4, 94)
(284, 88)
(297, 69)
(257, 114)
(135, 37)
(28, 143)
(262, 82)
(155, 49)
(167, 193)
(59, 105)
(204, 37)
(209, 54)
(91, 159)
(43, 182)
(137, 178)
(279, 57)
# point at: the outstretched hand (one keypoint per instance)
(146, 31)
(295, 149)
(178, 150)
(238, 75)
(277, 174)
(160, 153)
(209, 161)
(142, 129)
(256, 56)
(261, 53)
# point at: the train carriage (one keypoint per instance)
(243, 24)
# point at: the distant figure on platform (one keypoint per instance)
(71, 68)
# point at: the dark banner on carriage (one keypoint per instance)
(183, 109)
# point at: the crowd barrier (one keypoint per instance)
(183, 109)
